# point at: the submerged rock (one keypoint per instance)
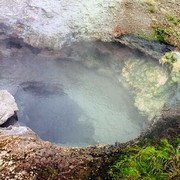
(39, 88)
(8, 107)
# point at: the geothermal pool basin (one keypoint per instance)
(74, 97)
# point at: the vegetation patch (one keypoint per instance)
(172, 59)
(160, 34)
(173, 20)
(148, 161)
(167, 30)
(152, 8)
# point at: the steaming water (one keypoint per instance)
(67, 103)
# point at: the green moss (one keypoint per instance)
(152, 8)
(172, 59)
(165, 30)
(172, 19)
(148, 36)
(161, 34)
(148, 161)
(168, 30)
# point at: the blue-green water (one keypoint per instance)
(71, 102)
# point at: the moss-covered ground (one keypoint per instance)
(156, 157)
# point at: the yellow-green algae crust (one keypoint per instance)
(149, 82)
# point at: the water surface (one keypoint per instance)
(70, 101)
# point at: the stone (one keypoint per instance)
(17, 130)
(154, 49)
(8, 106)
(55, 23)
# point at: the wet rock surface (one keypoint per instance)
(26, 157)
(154, 49)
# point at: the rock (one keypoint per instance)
(8, 106)
(28, 157)
(17, 130)
(154, 49)
(55, 23)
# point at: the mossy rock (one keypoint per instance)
(172, 59)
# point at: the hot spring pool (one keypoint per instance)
(72, 101)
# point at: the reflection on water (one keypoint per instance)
(72, 102)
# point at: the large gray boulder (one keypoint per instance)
(8, 106)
